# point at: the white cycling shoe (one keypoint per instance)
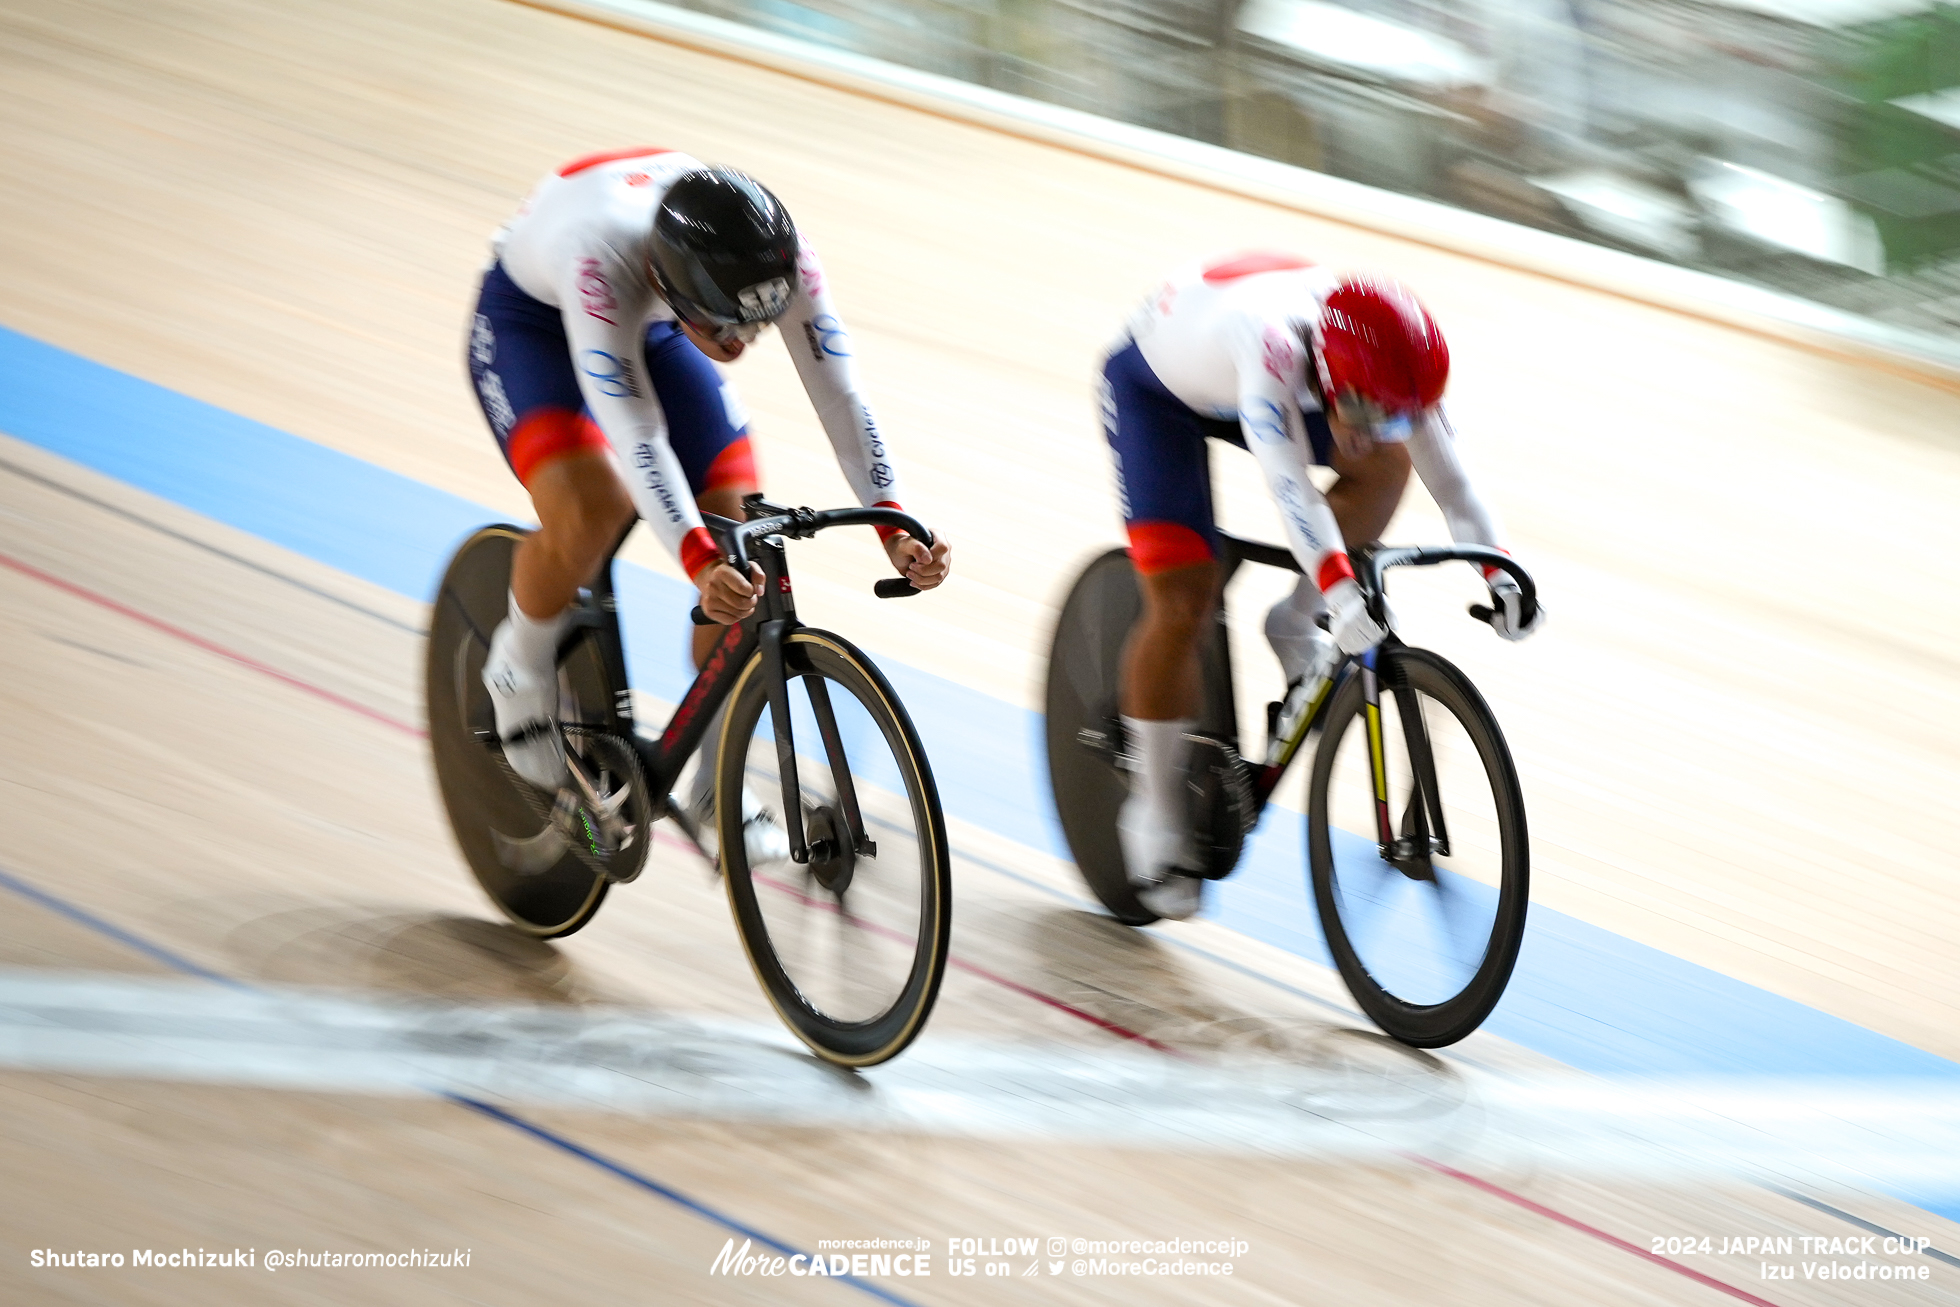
(526, 706)
(1303, 649)
(1157, 858)
(763, 838)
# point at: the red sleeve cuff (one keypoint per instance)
(697, 551)
(1334, 569)
(885, 533)
(1492, 573)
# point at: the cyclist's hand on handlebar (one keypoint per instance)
(1348, 620)
(1507, 610)
(924, 568)
(725, 596)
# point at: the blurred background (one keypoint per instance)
(240, 243)
(1808, 146)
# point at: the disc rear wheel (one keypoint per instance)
(520, 858)
(1084, 732)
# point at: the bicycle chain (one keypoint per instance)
(624, 760)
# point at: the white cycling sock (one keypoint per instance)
(534, 643)
(1161, 750)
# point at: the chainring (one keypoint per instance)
(574, 824)
(1223, 809)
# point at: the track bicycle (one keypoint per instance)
(849, 934)
(1416, 840)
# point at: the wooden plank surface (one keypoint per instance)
(1735, 734)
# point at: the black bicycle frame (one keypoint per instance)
(761, 540)
(1427, 835)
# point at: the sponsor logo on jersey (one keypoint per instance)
(1266, 421)
(872, 440)
(810, 271)
(881, 475)
(648, 463)
(595, 292)
(483, 342)
(1293, 505)
(1281, 357)
(765, 299)
(611, 374)
(496, 404)
(826, 336)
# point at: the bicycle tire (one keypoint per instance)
(1447, 1020)
(891, 923)
(489, 814)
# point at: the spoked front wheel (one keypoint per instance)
(850, 945)
(1425, 916)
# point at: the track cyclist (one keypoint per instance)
(1301, 366)
(619, 279)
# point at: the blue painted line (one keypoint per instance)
(372, 523)
(177, 962)
(674, 1196)
(83, 917)
(1582, 995)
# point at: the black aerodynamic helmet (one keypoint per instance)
(723, 249)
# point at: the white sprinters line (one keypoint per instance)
(1341, 1097)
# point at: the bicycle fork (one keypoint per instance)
(1423, 834)
(802, 850)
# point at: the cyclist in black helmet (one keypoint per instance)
(618, 281)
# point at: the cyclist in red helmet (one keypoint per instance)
(1303, 367)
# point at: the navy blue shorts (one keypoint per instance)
(522, 365)
(1163, 466)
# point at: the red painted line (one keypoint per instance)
(1015, 986)
(983, 973)
(1498, 1191)
(263, 669)
(157, 624)
(1060, 1006)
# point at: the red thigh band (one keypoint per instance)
(733, 466)
(1164, 546)
(546, 433)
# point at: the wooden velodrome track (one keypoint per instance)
(1735, 735)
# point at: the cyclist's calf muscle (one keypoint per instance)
(1161, 680)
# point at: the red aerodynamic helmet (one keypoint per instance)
(1375, 339)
